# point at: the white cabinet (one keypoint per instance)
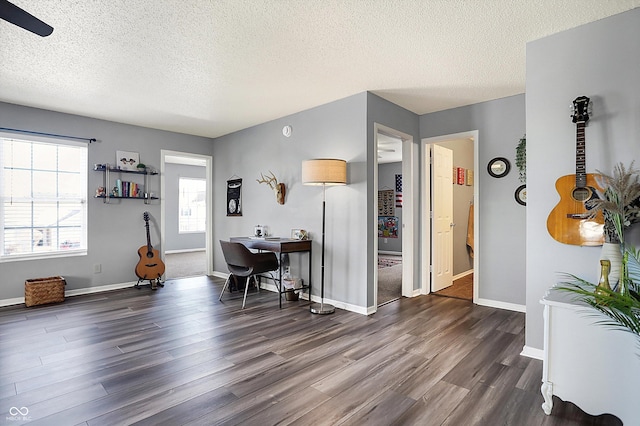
(592, 365)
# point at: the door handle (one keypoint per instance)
(452, 224)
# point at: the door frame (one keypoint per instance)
(189, 159)
(408, 206)
(426, 219)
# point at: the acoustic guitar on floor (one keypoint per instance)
(570, 221)
(150, 266)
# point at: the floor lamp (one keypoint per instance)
(323, 171)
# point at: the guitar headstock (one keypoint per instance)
(580, 109)
(146, 216)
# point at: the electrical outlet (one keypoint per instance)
(97, 268)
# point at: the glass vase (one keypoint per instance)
(603, 284)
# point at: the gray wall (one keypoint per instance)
(116, 230)
(387, 180)
(173, 240)
(334, 130)
(383, 112)
(600, 60)
(462, 200)
(500, 124)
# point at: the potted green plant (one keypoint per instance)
(619, 201)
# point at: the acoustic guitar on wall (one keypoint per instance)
(150, 266)
(569, 222)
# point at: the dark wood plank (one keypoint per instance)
(180, 356)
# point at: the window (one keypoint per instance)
(192, 205)
(43, 198)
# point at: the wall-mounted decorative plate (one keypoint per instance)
(499, 167)
(521, 195)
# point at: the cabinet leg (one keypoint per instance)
(547, 394)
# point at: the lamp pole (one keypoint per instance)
(321, 308)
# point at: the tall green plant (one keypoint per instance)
(620, 204)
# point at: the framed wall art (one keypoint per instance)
(127, 160)
(385, 203)
(234, 197)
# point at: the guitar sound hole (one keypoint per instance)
(581, 194)
(149, 254)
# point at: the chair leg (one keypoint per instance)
(246, 287)
(224, 287)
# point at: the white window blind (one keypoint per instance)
(43, 197)
(192, 205)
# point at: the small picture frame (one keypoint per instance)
(299, 234)
(521, 195)
(126, 160)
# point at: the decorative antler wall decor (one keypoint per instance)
(278, 188)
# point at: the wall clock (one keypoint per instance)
(499, 167)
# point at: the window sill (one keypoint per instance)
(42, 256)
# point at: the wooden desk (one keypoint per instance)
(279, 246)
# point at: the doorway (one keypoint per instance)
(450, 243)
(393, 185)
(390, 208)
(185, 191)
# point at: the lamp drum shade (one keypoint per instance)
(324, 171)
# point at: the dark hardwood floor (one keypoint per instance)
(178, 356)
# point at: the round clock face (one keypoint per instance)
(286, 130)
(498, 167)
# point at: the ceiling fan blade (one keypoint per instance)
(12, 13)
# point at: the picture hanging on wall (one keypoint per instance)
(385, 202)
(234, 197)
(387, 227)
(469, 177)
(399, 191)
(126, 160)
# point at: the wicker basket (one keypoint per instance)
(39, 291)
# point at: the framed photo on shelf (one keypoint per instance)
(126, 160)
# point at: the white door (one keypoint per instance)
(442, 236)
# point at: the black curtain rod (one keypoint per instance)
(49, 134)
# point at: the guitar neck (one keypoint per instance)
(581, 173)
(149, 248)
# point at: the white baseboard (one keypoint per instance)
(346, 306)
(392, 253)
(13, 301)
(99, 289)
(462, 274)
(184, 251)
(501, 305)
(76, 292)
(219, 274)
(530, 352)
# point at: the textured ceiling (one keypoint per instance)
(211, 67)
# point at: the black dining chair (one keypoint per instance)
(242, 262)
